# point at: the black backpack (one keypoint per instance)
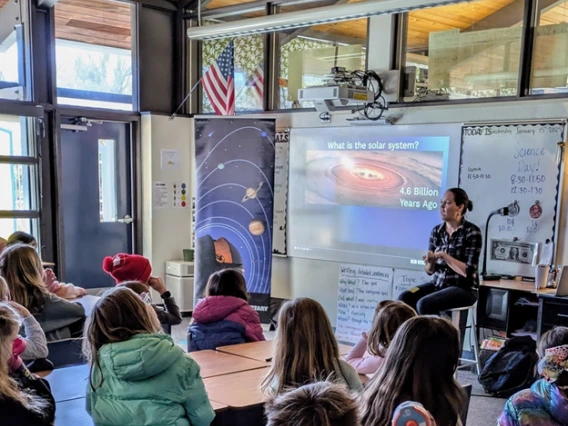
(511, 369)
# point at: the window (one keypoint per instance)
(13, 47)
(94, 53)
(308, 54)
(465, 50)
(248, 71)
(550, 55)
(107, 180)
(18, 174)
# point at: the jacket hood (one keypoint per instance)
(141, 357)
(216, 308)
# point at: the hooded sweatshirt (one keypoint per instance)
(147, 380)
(222, 321)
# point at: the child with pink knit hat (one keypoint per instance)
(134, 271)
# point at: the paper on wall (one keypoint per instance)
(406, 279)
(160, 195)
(361, 288)
(170, 159)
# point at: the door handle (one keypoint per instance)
(126, 220)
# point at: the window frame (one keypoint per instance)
(271, 99)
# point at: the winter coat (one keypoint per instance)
(544, 404)
(147, 380)
(223, 321)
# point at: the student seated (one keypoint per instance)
(66, 291)
(60, 319)
(129, 269)
(546, 402)
(224, 316)
(305, 351)
(419, 366)
(315, 404)
(389, 316)
(24, 398)
(139, 376)
(33, 336)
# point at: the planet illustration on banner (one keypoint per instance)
(251, 193)
(257, 227)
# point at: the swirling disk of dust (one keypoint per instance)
(364, 182)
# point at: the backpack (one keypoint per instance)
(511, 369)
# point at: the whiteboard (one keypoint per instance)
(280, 192)
(361, 288)
(504, 163)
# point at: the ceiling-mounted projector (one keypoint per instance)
(327, 98)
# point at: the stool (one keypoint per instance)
(455, 317)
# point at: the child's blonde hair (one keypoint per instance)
(117, 316)
(315, 404)
(390, 315)
(9, 389)
(4, 289)
(21, 266)
(305, 349)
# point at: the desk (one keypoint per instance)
(214, 363)
(262, 351)
(238, 390)
(509, 306)
(68, 383)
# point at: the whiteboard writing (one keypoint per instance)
(405, 279)
(280, 192)
(503, 164)
(361, 288)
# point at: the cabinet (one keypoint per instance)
(552, 312)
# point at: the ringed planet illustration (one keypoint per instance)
(251, 193)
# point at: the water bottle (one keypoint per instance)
(412, 413)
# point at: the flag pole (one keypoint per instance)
(174, 115)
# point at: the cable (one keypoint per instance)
(372, 81)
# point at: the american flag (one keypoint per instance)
(256, 81)
(219, 83)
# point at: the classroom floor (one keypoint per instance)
(483, 409)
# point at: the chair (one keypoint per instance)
(455, 315)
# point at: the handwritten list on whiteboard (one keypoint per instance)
(361, 288)
(405, 279)
(507, 163)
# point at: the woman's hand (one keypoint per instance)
(440, 255)
(430, 257)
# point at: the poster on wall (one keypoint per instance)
(234, 203)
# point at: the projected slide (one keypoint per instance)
(370, 194)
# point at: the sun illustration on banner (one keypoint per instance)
(234, 189)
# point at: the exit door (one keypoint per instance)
(96, 197)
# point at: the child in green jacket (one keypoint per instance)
(138, 375)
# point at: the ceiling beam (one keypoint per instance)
(300, 31)
(508, 16)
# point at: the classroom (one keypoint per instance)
(283, 212)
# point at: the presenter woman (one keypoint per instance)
(452, 259)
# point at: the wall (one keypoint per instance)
(295, 277)
(166, 232)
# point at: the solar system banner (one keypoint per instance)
(234, 203)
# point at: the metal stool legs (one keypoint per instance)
(456, 315)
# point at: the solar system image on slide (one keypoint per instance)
(234, 203)
(379, 179)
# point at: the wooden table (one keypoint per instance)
(237, 390)
(523, 286)
(214, 363)
(262, 351)
(68, 383)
